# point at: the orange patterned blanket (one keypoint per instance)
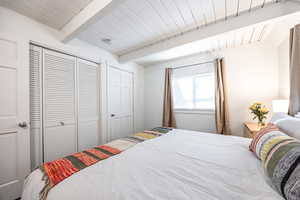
(58, 170)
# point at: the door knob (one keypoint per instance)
(22, 124)
(112, 115)
(62, 123)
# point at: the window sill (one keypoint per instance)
(195, 111)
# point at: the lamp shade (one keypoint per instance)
(280, 105)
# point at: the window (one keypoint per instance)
(194, 88)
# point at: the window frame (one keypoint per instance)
(195, 110)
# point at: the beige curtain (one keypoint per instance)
(168, 113)
(221, 107)
(294, 70)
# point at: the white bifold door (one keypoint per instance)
(36, 106)
(64, 104)
(60, 135)
(14, 120)
(88, 104)
(120, 103)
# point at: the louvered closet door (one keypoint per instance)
(88, 104)
(35, 106)
(60, 138)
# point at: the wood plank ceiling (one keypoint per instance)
(136, 24)
(233, 39)
(54, 13)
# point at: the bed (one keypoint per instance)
(178, 165)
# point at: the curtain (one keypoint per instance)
(294, 70)
(168, 113)
(221, 107)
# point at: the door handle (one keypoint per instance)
(112, 115)
(62, 123)
(22, 124)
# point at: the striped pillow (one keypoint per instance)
(282, 165)
(280, 155)
(262, 136)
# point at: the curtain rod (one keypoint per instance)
(184, 66)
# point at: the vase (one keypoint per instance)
(261, 123)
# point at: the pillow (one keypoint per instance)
(282, 166)
(261, 137)
(290, 125)
(278, 116)
(280, 155)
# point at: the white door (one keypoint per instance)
(60, 137)
(120, 103)
(88, 104)
(14, 109)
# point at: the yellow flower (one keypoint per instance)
(264, 110)
(253, 106)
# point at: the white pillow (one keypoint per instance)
(290, 126)
(279, 116)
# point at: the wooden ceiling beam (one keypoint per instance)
(93, 12)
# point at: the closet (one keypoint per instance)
(64, 102)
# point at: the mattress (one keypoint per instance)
(179, 165)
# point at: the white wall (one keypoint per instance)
(284, 81)
(252, 75)
(23, 30)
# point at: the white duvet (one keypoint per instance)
(180, 165)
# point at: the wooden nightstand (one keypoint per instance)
(250, 129)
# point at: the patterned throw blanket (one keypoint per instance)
(58, 170)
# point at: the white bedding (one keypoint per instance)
(180, 165)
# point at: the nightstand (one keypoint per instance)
(250, 129)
